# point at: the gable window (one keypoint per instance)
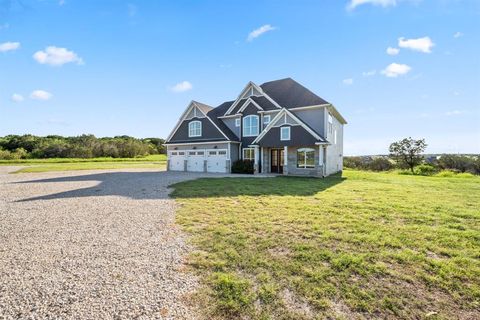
(306, 158)
(237, 122)
(195, 129)
(266, 120)
(250, 126)
(249, 154)
(285, 133)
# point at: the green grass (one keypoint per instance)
(67, 164)
(371, 245)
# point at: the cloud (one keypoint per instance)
(394, 70)
(17, 97)
(41, 95)
(453, 113)
(392, 51)
(424, 44)
(9, 46)
(55, 56)
(348, 81)
(369, 73)
(258, 32)
(383, 3)
(458, 34)
(181, 87)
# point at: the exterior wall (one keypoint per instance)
(298, 137)
(314, 118)
(234, 152)
(291, 167)
(335, 150)
(230, 123)
(265, 160)
(208, 132)
(200, 147)
(271, 114)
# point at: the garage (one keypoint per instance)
(195, 160)
(217, 161)
(177, 161)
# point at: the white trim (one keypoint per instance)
(259, 89)
(239, 120)
(228, 152)
(249, 148)
(206, 142)
(305, 161)
(230, 116)
(322, 143)
(285, 156)
(281, 134)
(278, 116)
(317, 106)
(269, 119)
(190, 135)
(244, 106)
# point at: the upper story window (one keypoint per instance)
(237, 122)
(195, 129)
(266, 120)
(250, 126)
(285, 133)
(330, 123)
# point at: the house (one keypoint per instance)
(280, 125)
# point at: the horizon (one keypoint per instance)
(393, 69)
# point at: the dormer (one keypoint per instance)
(250, 95)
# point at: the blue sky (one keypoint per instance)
(131, 67)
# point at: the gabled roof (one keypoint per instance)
(219, 111)
(290, 94)
(203, 107)
(264, 103)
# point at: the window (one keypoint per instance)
(222, 153)
(249, 154)
(195, 129)
(200, 153)
(181, 153)
(330, 123)
(237, 122)
(335, 136)
(306, 158)
(250, 126)
(266, 119)
(191, 153)
(212, 153)
(174, 153)
(285, 133)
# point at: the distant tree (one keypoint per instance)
(408, 152)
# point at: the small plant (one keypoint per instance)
(425, 170)
(242, 166)
(232, 293)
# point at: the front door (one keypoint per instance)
(276, 156)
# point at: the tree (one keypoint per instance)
(408, 152)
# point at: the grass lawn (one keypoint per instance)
(66, 164)
(365, 245)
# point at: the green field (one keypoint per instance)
(66, 164)
(365, 245)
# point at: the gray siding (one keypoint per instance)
(314, 118)
(298, 137)
(230, 123)
(209, 132)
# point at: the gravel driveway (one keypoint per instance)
(92, 245)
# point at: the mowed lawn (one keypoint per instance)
(67, 164)
(365, 245)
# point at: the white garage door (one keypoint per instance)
(177, 159)
(195, 161)
(217, 161)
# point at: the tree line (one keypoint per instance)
(84, 146)
(408, 154)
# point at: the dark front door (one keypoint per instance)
(276, 156)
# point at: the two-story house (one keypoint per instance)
(280, 125)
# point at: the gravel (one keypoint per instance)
(92, 244)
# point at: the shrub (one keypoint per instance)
(460, 163)
(380, 164)
(446, 174)
(242, 166)
(368, 163)
(425, 170)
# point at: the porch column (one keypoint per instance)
(285, 160)
(255, 163)
(262, 161)
(321, 169)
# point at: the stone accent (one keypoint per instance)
(291, 167)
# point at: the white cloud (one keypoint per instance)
(369, 73)
(258, 32)
(41, 95)
(458, 34)
(17, 97)
(383, 3)
(392, 51)
(453, 113)
(9, 46)
(424, 44)
(348, 81)
(394, 70)
(181, 87)
(55, 56)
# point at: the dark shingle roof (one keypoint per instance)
(202, 106)
(264, 103)
(218, 112)
(237, 107)
(290, 94)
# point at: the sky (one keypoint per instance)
(392, 68)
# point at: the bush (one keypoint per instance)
(368, 163)
(425, 170)
(460, 163)
(242, 166)
(446, 174)
(380, 164)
